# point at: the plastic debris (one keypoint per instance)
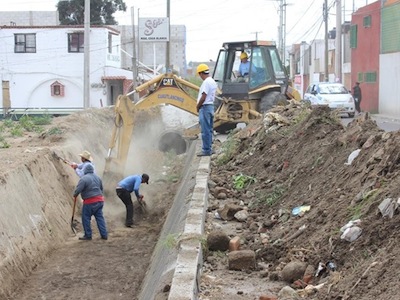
(321, 268)
(351, 234)
(331, 265)
(352, 156)
(350, 224)
(300, 210)
(387, 207)
(351, 231)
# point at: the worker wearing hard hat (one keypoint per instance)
(244, 68)
(205, 108)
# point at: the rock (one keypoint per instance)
(234, 244)
(242, 260)
(218, 241)
(211, 184)
(221, 196)
(228, 211)
(242, 215)
(293, 271)
(287, 293)
(267, 297)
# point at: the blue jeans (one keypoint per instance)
(96, 210)
(206, 119)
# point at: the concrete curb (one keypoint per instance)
(185, 283)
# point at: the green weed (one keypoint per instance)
(270, 199)
(170, 241)
(17, 130)
(242, 181)
(228, 150)
(8, 123)
(360, 208)
(54, 131)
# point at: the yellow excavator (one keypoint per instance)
(242, 97)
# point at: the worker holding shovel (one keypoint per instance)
(90, 187)
(124, 189)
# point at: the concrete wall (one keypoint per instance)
(29, 18)
(389, 91)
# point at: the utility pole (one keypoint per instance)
(167, 62)
(338, 41)
(256, 33)
(325, 13)
(282, 29)
(86, 56)
(134, 59)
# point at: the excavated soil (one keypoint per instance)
(97, 269)
(299, 159)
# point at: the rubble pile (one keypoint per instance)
(313, 201)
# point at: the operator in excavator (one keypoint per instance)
(244, 68)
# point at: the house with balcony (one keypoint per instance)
(42, 68)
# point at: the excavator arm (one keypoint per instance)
(163, 89)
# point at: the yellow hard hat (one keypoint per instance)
(202, 68)
(243, 55)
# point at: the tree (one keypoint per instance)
(72, 12)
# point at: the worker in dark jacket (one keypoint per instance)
(124, 189)
(90, 187)
(357, 97)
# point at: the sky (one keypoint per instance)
(209, 23)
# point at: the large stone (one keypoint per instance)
(218, 241)
(228, 211)
(242, 260)
(293, 271)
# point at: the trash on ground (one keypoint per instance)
(300, 210)
(351, 234)
(352, 156)
(388, 207)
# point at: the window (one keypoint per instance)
(353, 36)
(57, 89)
(25, 43)
(370, 77)
(367, 21)
(360, 76)
(75, 42)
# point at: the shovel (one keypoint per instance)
(142, 204)
(72, 218)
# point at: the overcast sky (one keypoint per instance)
(209, 23)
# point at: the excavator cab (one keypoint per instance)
(264, 85)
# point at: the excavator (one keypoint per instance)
(241, 97)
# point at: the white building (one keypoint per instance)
(42, 68)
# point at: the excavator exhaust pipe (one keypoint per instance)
(172, 140)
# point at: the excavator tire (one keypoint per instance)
(271, 99)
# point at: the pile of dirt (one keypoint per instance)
(298, 157)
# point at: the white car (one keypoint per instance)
(335, 95)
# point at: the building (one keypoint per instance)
(365, 37)
(153, 54)
(389, 57)
(42, 68)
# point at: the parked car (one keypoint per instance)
(335, 95)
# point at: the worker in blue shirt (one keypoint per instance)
(124, 189)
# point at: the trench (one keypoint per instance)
(41, 258)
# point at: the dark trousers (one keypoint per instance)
(125, 196)
(357, 104)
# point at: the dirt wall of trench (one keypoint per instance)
(36, 193)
